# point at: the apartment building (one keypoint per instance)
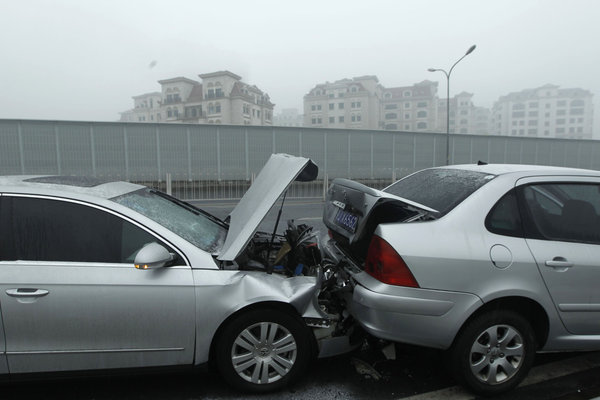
(410, 108)
(482, 121)
(220, 98)
(547, 111)
(348, 103)
(465, 117)
(146, 108)
(363, 103)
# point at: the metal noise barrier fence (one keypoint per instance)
(201, 162)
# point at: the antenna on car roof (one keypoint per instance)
(481, 163)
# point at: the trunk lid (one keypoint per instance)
(276, 176)
(353, 211)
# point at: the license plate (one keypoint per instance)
(346, 220)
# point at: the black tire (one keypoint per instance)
(493, 353)
(253, 365)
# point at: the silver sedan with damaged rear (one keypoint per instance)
(489, 262)
(202, 289)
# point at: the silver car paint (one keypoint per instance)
(21, 184)
(219, 294)
(3, 360)
(578, 309)
(40, 334)
(460, 244)
(94, 315)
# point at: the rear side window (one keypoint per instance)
(36, 229)
(504, 218)
(440, 189)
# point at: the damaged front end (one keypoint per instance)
(286, 267)
(291, 267)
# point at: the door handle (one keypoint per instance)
(26, 292)
(559, 262)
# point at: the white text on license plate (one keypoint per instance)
(346, 220)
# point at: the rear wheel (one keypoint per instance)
(263, 350)
(493, 353)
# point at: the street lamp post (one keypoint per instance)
(448, 99)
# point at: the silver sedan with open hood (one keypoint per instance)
(110, 275)
(489, 262)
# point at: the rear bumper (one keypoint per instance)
(422, 317)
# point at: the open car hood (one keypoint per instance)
(276, 176)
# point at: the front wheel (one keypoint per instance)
(493, 353)
(263, 350)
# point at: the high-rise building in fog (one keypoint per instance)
(410, 108)
(221, 98)
(363, 103)
(547, 111)
(348, 103)
(465, 117)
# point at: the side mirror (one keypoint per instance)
(152, 256)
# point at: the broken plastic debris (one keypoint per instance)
(365, 369)
(389, 351)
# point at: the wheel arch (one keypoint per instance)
(277, 305)
(524, 306)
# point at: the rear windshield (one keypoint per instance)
(441, 189)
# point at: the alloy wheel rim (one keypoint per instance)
(497, 354)
(264, 353)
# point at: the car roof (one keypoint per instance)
(66, 186)
(523, 169)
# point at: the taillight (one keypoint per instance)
(385, 264)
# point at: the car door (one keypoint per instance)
(72, 299)
(563, 233)
(3, 361)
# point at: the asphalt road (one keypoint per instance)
(376, 371)
(412, 374)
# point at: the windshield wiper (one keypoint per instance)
(189, 207)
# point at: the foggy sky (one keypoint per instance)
(85, 59)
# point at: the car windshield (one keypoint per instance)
(441, 189)
(192, 224)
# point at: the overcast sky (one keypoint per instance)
(85, 59)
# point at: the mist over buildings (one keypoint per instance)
(73, 60)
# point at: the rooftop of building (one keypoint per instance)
(151, 94)
(220, 73)
(178, 79)
(534, 93)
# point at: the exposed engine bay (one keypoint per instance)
(298, 253)
(294, 253)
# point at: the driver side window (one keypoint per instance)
(36, 229)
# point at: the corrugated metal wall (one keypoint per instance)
(147, 152)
